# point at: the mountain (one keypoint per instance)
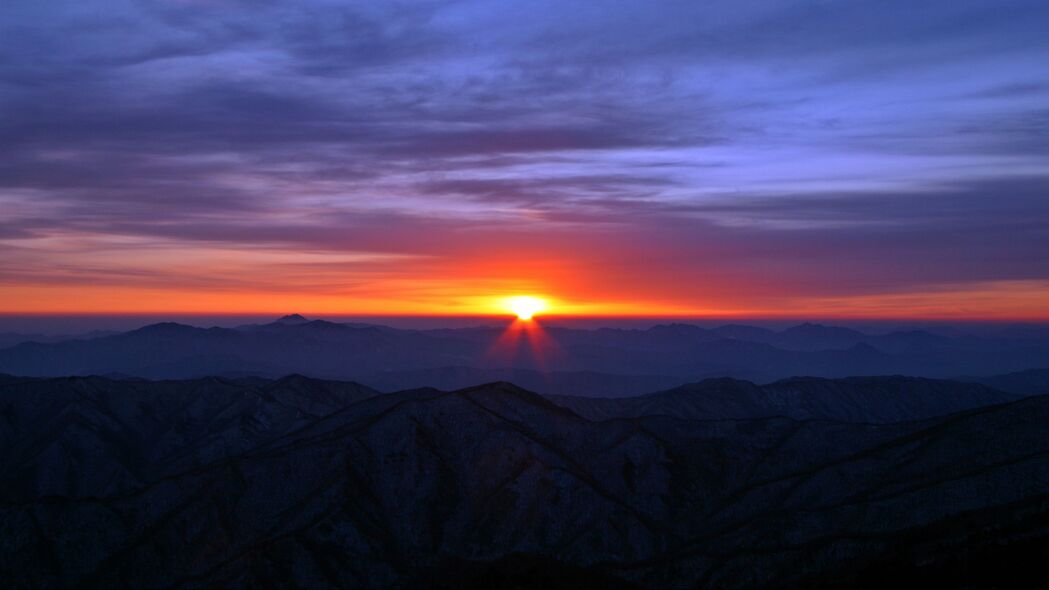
(8, 339)
(810, 336)
(816, 337)
(582, 383)
(854, 399)
(291, 319)
(747, 333)
(552, 359)
(121, 434)
(304, 483)
(1030, 382)
(170, 350)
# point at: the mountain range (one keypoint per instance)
(549, 359)
(297, 482)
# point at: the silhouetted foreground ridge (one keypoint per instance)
(305, 483)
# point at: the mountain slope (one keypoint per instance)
(1030, 382)
(93, 436)
(853, 399)
(425, 487)
(581, 383)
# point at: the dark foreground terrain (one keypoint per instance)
(254, 483)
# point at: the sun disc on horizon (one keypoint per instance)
(525, 306)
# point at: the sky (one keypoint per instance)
(847, 158)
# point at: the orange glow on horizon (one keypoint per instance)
(995, 301)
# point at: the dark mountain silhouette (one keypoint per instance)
(603, 362)
(297, 482)
(816, 337)
(1030, 382)
(292, 319)
(589, 383)
(8, 339)
(809, 336)
(854, 399)
(744, 332)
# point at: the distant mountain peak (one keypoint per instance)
(675, 326)
(163, 328)
(506, 388)
(820, 328)
(293, 318)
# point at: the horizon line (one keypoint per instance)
(547, 317)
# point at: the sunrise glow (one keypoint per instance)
(247, 183)
(525, 306)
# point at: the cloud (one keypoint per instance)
(690, 150)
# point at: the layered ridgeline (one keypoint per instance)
(304, 483)
(603, 362)
(852, 399)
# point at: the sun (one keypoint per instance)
(525, 306)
